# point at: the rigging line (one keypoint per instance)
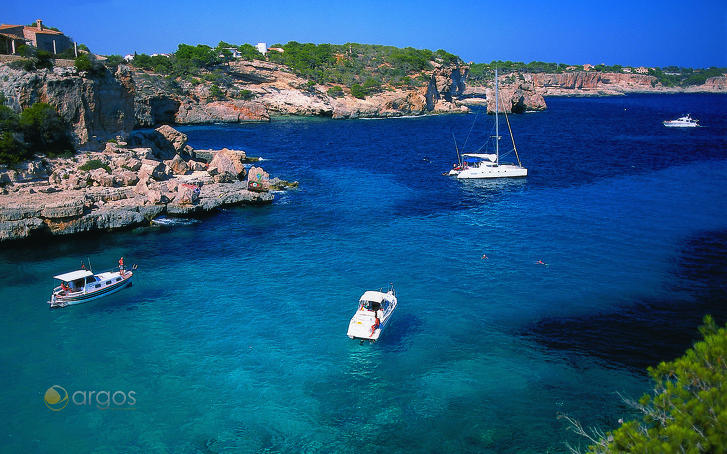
(471, 128)
(513, 140)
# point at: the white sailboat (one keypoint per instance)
(488, 165)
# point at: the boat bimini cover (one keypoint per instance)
(73, 275)
(373, 296)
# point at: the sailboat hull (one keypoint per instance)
(493, 171)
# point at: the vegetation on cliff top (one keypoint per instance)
(687, 412)
(363, 68)
(356, 65)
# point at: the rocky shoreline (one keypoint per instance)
(127, 185)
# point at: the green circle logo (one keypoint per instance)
(56, 398)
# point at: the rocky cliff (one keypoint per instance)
(102, 105)
(517, 94)
(98, 107)
(589, 83)
(277, 91)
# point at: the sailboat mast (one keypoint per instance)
(497, 125)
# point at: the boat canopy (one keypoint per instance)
(373, 296)
(479, 157)
(73, 275)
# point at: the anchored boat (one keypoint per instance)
(373, 314)
(84, 285)
(488, 165)
(682, 122)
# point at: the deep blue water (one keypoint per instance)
(232, 338)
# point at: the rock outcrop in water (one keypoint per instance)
(126, 185)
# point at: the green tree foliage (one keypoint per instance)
(200, 55)
(372, 85)
(249, 52)
(216, 92)
(353, 63)
(142, 61)
(687, 412)
(246, 95)
(357, 91)
(83, 63)
(446, 58)
(307, 60)
(93, 164)
(12, 150)
(410, 59)
(335, 91)
(113, 61)
(45, 131)
(33, 59)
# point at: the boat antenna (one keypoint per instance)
(513, 140)
(89, 264)
(459, 157)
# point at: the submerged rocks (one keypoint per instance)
(124, 187)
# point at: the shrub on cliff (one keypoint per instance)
(83, 63)
(12, 150)
(216, 92)
(335, 91)
(688, 409)
(45, 131)
(357, 91)
(94, 164)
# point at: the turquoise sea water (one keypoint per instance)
(232, 338)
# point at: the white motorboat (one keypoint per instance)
(488, 165)
(373, 314)
(84, 285)
(682, 122)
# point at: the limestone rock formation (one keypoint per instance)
(234, 111)
(138, 187)
(98, 107)
(592, 82)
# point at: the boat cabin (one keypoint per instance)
(75, 280)
(374, 301)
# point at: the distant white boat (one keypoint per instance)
(373, 314)
(488, 165)
(83, 285)
(682, 122)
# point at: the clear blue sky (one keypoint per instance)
(689, 33)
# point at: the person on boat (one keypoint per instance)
(121, 266)
(376, 324)
(64, 287)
